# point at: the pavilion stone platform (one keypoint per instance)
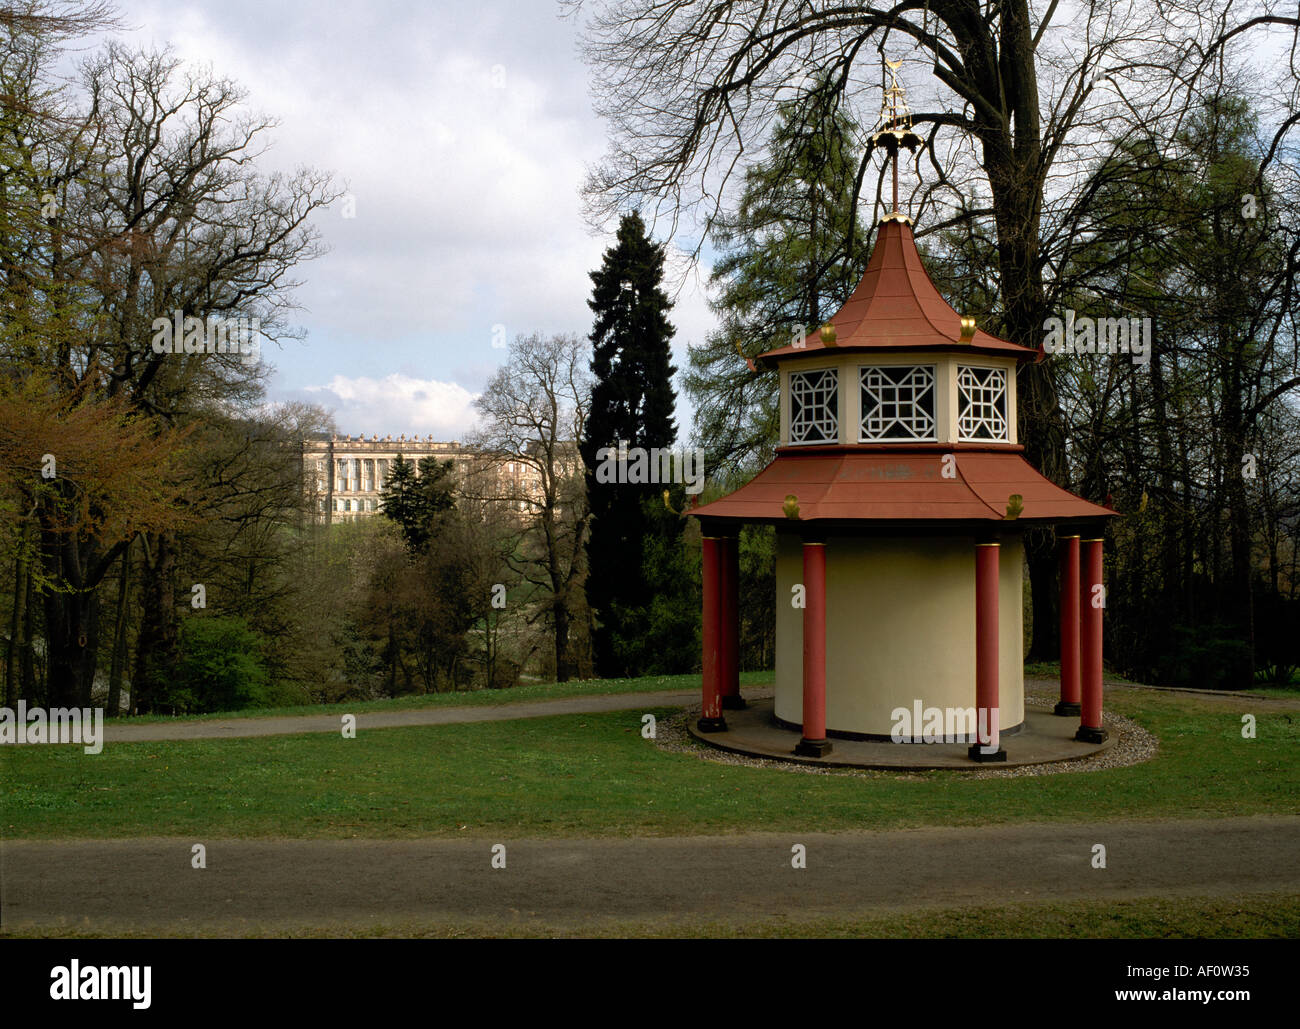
(1042, 738)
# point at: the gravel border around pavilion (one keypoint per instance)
(1133, 746)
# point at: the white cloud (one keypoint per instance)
(463, 132)
(397, 404)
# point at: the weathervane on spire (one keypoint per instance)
(894, 129)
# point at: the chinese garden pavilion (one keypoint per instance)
(900, 495)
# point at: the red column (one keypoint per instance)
(729, 623)
(987, 746)
(1091, 600)
(1069, 702)
(711, 719)
(814, 742)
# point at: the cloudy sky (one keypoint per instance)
(462, 132)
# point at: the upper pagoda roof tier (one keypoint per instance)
(897, 307)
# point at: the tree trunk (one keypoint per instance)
(1240, 594)
(12, 665)
(27, 651)
(563, 669)
(1171, 591)
(1041, 424)
(119, 639)
(156, 645)
(72, 636)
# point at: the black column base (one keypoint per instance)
(733, 702)
(813, 748)
(712, 725)
(976, 753)
(1087, 734)
(1066, 709)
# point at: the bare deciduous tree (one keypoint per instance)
(533, 411)
(150, 203)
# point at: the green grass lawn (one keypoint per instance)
(1052, 670)
(1245, 917)
(593, 775)
(1248, 916)
(470, 698)
(1277, 691)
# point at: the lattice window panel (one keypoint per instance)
(814, 407)
(982, 404)
(898, 404)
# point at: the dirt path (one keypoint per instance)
(274, 885)
(233, 728)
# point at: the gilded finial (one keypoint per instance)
(1015, 505)
(791, 507)
(748, 360)
(894, 128)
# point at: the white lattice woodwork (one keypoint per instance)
(898, 404)
(814, 406)
(982, 404)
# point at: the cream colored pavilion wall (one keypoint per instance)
(900, 626)
(789, 629)
(1011, 630)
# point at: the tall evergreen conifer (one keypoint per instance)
(791, 253)
(633, 535)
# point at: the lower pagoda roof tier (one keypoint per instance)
(898, 487)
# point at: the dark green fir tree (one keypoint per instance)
(416, 501)
(639, 584)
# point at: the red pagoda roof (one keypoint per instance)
(854, 484)
(897, 307)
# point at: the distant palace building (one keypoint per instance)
(346, 475)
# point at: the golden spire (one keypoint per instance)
(894, 129)
(895, 115)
